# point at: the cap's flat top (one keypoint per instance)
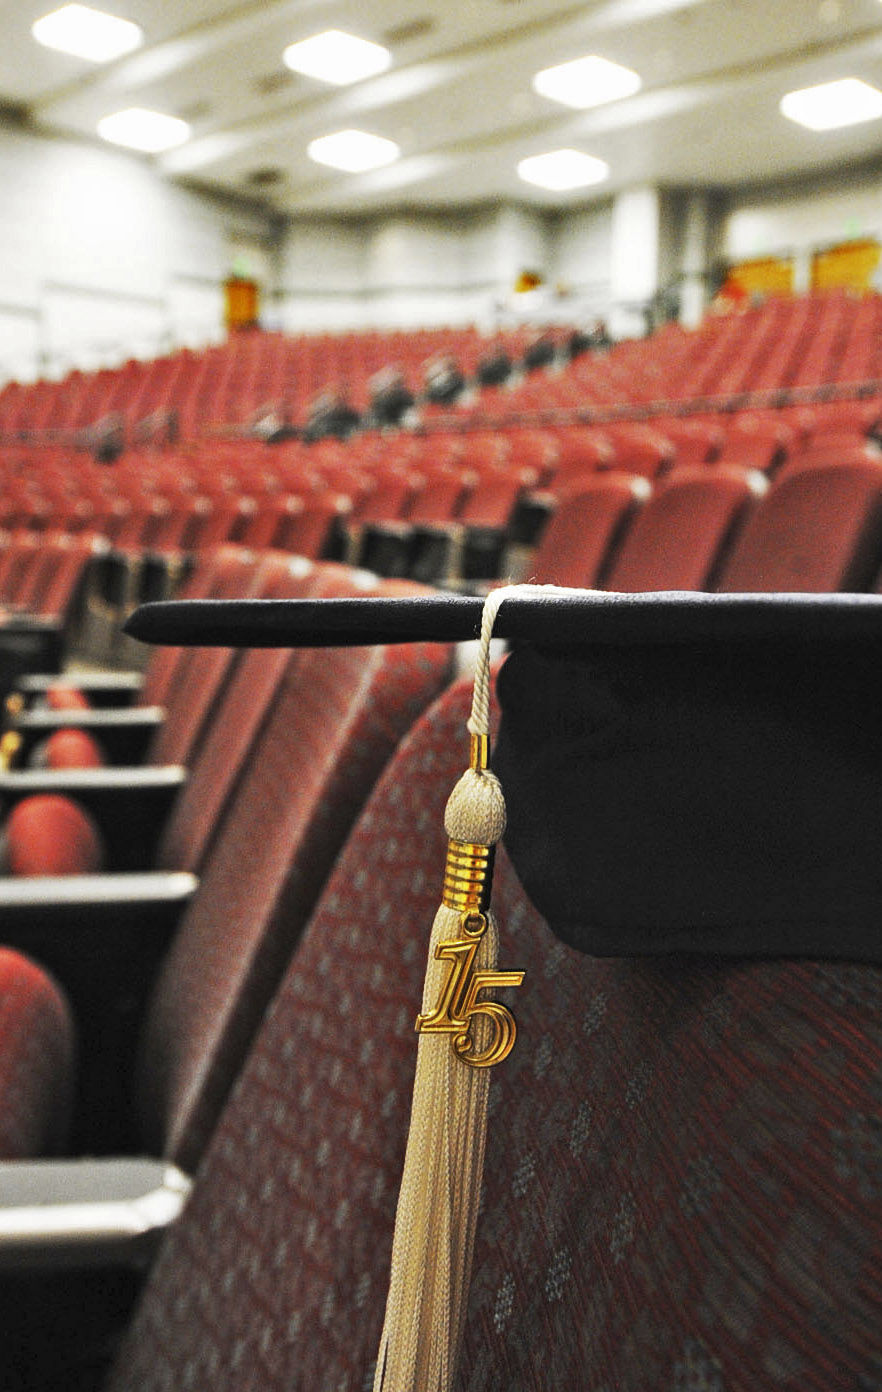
(558, 618)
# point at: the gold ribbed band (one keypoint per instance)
(479, 752)
(467, 876)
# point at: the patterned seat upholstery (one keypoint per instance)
(202, 673)
(684, 1164)
(36, 1060)
(334, 720)
(215, 572)
(249, 695)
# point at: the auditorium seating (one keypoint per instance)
(705, 460)
(783, 385)
(36, 1060)
(296, 746)
(216, 707)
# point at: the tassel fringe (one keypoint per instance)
(438, 1202)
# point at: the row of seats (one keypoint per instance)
(280, 752)
(815, 526)
(790, 345)
(440, 508)
(784, 347)
(229, 383)
(242, 491)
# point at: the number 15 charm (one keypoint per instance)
(459, 1006)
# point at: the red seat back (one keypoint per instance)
(817, 530)
(335, 718)
(51, 835)
(581, 537)
(679, 536)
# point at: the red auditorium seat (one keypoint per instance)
(695, 442)
(579, 542)
(66, 698)
(203, 673)
(68, 749)
(335, 720)
(36, 1060)
(19, 556)
(835, 447)
(680, 535)
(315, 530)
(51, 835)
(581, 450)
(217, 573)
(669, 1201)
(248, 700)
(756, 441)
(818, 529)
(640, 449)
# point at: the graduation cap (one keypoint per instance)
(683, 773)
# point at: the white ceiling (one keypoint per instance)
(458, 98)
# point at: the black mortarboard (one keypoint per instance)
(683, 772)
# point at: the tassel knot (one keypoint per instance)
(476, 809)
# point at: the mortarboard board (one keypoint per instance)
(684, 773)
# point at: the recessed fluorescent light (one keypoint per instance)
(353, 150)
(148, 131)
(846, 102)
(87, 33)
(563, 169)
(337, 57)
(585, 82)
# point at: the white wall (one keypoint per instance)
(783, 220)
(101, 257)
(406, 270)
(410, 270)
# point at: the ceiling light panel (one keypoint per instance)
(87, 33)
(831, 105)
(147, 131)
(585, 82)
(353, 151)
(337, 58)
(563, 169)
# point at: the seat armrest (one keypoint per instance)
(40, 896)
(102, 688)
(72, 922)
(129, 805)
(124, 735)
(60, 1213)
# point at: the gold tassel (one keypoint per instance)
(461, 1035)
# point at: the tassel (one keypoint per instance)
(461, 1034)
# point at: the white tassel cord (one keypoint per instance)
(444, 1162)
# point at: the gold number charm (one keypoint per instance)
(458, 1005)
